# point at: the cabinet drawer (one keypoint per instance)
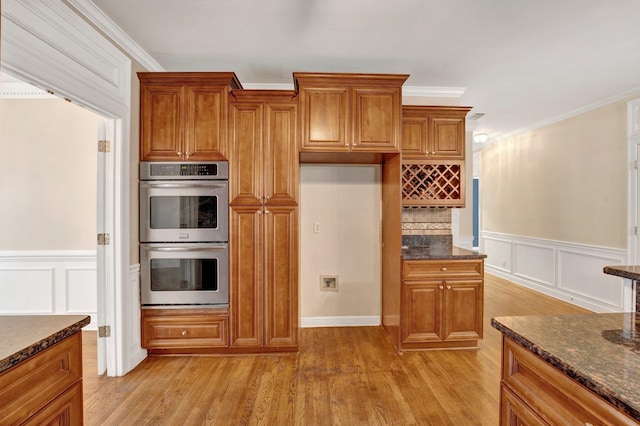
(552, 395)
(185, 331)
(32, 384)
(65, 410)
(444, 269)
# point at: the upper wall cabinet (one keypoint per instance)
(183, 116)
(433, 132)
(350, 112)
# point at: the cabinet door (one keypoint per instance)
(245, 276)
(162, 122)
(206, 123)
(281, 154)
(376, 120)
(281, 276)
(325, 116)
(447, 138)
(414, 137)
(463, 306)
(246, 154)
(67, 409)
(422, 311)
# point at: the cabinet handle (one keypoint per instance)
(267, 212)
(259, 211)
(187, 155)
(441, 287)
(448, 287)
(444, 269)
(184, 332)
(179, 153)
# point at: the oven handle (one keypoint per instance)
(186, 249)
(185, 185)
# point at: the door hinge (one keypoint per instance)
(635, 164)
(103, 239)
(104, 331)
(104, 146)
(635, 230)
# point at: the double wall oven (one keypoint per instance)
(184, 234)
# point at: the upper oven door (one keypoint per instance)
(184, 211)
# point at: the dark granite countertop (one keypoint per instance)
(631, 272)
(600, 351)
(23, 336)
(439, 252)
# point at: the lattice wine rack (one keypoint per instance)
(433, 184)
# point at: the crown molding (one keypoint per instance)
(21, 90)
(433, 91)
(97, 17)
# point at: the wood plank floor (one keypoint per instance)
(341, 376)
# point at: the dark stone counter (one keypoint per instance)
(23, 336)
(600, 351)
(418, 247)
(631, 272)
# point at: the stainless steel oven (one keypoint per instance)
(184, 234)
(184, 274)
(184, 202)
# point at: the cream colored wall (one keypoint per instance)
(565, 182)
(48, 156)
(345, 201)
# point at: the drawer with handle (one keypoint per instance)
(430, 269)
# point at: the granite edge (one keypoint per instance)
(612, 270)
(599, 389)
(41, 345)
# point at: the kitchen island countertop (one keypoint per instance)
(439, 251)
(631, 272)
(600, 351)
(23, 336)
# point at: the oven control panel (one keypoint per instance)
(167, 170)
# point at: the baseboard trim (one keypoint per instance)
(347, 321)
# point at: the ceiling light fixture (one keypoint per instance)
(480, 137)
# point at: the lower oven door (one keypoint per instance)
(184, 274)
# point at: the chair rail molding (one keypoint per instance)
(567, 271)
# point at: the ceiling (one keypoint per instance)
(521, 63)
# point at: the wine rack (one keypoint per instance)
(433, 184)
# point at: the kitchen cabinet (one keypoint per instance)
(533, 392)
(183, 116)
(442, 303)
(46, 388)
(184, 330)
(263, 186)
(342, 113)
(433, 132)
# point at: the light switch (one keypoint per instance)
(316, 228)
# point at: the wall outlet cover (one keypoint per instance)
(328, 283)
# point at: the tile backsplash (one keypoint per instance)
(426, 221)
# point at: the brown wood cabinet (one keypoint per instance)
(433, 132)
(184, 330)
(263, 231)
(46, 388)
(183, 116)
(350, 112)
(534, 392)
(442, 303)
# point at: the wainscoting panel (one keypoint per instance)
(568, 271)
(49, 282)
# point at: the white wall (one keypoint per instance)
(345, 202)
(48, 184)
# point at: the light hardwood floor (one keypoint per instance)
(341, 376)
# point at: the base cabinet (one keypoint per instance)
(184, 330)
(46, 388)
(442, 303)
(535, 393)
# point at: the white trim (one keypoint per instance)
(133, 352)
(568, 271)
(348, 321)
(633, 196)
(97, 17)
(433, 91)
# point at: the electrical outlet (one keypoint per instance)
(328, 283)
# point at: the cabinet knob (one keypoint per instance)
(184, 332)
(259, 211)
(444, 269)
(448, 287)
(187, 155)
(267, 212)
(441, 287)
(346, 145)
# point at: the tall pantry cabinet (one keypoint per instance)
(263, 229)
